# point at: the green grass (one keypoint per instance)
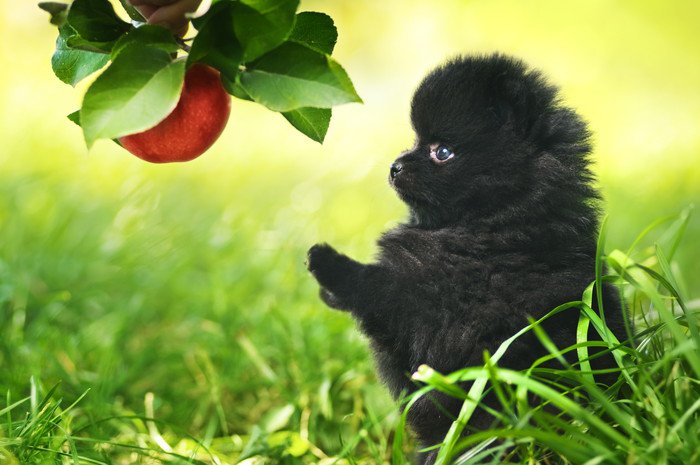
(163, 286)
(155, 320)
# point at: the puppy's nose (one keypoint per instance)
(396, 168)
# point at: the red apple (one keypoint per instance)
(193, 126)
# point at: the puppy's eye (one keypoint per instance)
(440, 153)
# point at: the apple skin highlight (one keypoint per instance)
(193, 126)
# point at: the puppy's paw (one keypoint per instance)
(325, 264)
(320, 257)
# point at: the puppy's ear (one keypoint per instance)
(521, 101)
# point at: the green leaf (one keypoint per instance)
(147, 35)
(234, 88)
(70, 65)
(216, 43)
(96, 21)
(132, 12)
(294, 76)
(262, 25)
(74, 117)
(58, 11)
(75, 42)
(315, 30)
(313, 122)
(138, 90)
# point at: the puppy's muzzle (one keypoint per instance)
(395, 169)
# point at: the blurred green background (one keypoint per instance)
(188, 280)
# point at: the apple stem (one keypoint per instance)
(183, 45)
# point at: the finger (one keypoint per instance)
(176, 26)
(152, 2)
(181, 30)
(146, 10)
(173, 16)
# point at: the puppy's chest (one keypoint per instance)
(446, 269)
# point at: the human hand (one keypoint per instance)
(167, 13)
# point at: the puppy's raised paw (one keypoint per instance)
(325, 264)
(320, 257)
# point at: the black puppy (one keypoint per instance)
(503, 225)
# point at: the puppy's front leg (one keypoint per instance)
(340, 276)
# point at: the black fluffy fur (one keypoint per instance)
(504, 230)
